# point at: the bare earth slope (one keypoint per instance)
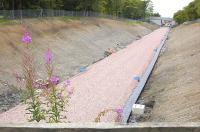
(75, 43)
(105, 85)
(175, 82)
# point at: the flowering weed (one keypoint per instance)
(51, 105)
(103, 113)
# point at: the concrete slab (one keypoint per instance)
(106, 127)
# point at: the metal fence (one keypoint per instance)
(42, 13)
(21, 14)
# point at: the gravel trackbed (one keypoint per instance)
(105, 84)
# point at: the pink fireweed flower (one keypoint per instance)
(69, 88)
(48, 57)
(55, 80)
(119, 111)
(67, 83)
(39, 84)
(36, 85)
(26, 38)
(70, 91)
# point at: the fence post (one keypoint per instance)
(62, 13)
(21, 15)
(41, 13)
(4, 14)
(13, 15)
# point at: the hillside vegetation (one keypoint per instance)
(136, 9)
(189, 13)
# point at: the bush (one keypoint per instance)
(189, 13)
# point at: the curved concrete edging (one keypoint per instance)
(138, 90)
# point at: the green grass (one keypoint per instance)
(68, 18)
(4, 21)
(63, 18)
(135, 22)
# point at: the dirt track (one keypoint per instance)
(173, 89)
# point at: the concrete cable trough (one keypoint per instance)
(137, 91)
(108, 83)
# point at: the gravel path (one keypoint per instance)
(106, 84)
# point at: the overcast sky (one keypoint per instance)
(167, 8)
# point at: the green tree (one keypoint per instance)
(156, 15)
(181, 16)
(99, 6)
(149, 8)
(190, 12)
(135, 9)
(197, 7)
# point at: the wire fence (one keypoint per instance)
(42, 13)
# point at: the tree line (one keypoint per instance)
(189, 13)
(136, 9)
